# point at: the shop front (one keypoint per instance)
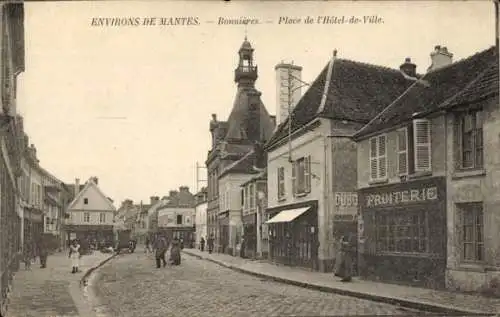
(293, 234)
(100, 235)
(404, 232)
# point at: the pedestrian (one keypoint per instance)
(210, 243)
(160, 248)
(75, 255)
(147, 249)
(344, 261)
(27, 256)
(202, 244)
(43, 252)
(175, 252)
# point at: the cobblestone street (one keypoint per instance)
(132, 286)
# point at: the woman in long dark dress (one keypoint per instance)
(175, 252)
(344, 261)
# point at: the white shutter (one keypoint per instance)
(294, 178)
(422, 136)
(307, 173)
(373, 159)
(382, 157)
(402, 152)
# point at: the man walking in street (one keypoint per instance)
(160, 248)
(43, 253)
(210, 243)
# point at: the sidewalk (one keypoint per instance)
(53, 291)
(411, 297)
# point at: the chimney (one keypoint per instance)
(77, 186)
(172, 194)
(409, 68)
(96, 180)
(284, 97)
(184, 189)
(440, 57)
(154, 199)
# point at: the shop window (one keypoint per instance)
(402, 232)
(472, 233)
(281, 183)
(378, 158)
(469, 139)
(301, 176)
(86, 217)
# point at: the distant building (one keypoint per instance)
(201, 216)
(231, 159)
(176, 217)
(91, 214)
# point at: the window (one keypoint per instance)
(422, 144)
(472, 234)
(281, 182)
(402, 151)
(243, 198)
(102, 217)
(378, 158)
(301, 176)
(470, 139)
(179, 219)
(86, 217)
(86, 201)
(251, 196)
(402, 232)
(246, 206)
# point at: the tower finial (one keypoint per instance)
(246, 32)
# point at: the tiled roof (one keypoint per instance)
(239, 122)
(484, 86)
(244, 165)
(356, 92)
(445, 84)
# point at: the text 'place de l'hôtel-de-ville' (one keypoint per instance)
(401, 162)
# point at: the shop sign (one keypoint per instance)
(346, 204)
(346, 199)
(400, 197)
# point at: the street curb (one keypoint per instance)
(84, 279)
(432, 308)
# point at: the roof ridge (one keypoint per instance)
(381, 67)
(238, 161)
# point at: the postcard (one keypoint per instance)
(249, 158)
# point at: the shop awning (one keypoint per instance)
(288, 215)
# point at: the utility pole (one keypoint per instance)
(198, 180)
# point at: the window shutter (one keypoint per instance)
(382, 160)
(307, 173)
(294, 178)
(457, 141)
(402, 152)
(373, 158)
(422, 133)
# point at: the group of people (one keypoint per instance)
(31, 250)
(160, 246)
(210, 244)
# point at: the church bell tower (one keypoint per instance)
(246, 72)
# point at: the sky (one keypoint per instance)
(132, 104)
